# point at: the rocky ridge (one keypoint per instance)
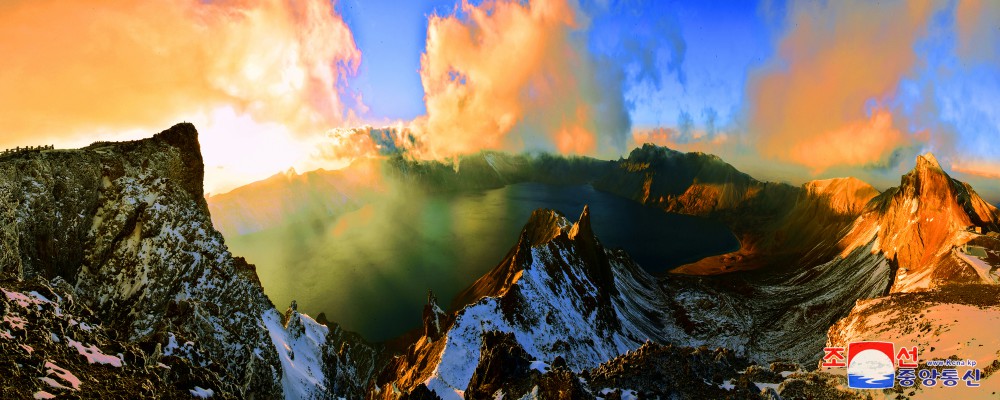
(126, 226)
(918, 225)
(122, 229)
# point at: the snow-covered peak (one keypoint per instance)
(558, 293)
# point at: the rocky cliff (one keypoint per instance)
(558, 292)
(125, 226)
(920, 223)
(116, 283)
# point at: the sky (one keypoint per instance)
(784, 90)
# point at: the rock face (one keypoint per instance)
(52, 344)
(127, 227)
(919, 223)
(434, 318)
(561, 298)
(525, 309)
(777, 224)
(558, 294)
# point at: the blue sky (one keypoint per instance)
(391, 36)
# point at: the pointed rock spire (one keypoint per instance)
(927, 161)
(582, 225)
(543, 226)
(434, 318)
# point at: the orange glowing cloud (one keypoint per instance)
(854, 143)
(813, 107)
(508, 75)
(696, 140)
(982, 169)
(72, 66)
(975, 21)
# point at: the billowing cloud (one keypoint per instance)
(824, 101)
(515, 75)
(79, 66)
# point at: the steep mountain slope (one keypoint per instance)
(693, 183)
(562, 295)
(126, 225)
(51, 345)
(920, 223)
(804, 235)
(779, 225)
(559, 292)
(955, 322)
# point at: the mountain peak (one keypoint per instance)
(582, 225)
(919, 222)
(927, 161)
(543, 226)
(184, 137)
(928, 179)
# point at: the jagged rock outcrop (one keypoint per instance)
(53, 345)
(559, 292)
(918, 225)
(127, 226)
(435, 319)
(502, 363)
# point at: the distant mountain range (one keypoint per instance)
(117, 284)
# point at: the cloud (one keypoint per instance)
(983, 169)
(976, 26)
(824, 101)
(104, 64)
(691, 140)
(648, 41)
(711, 119)
(516, 75)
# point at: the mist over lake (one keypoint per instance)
(370, 269)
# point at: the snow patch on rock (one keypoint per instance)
(300, 349)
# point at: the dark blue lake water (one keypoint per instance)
(370, 269)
